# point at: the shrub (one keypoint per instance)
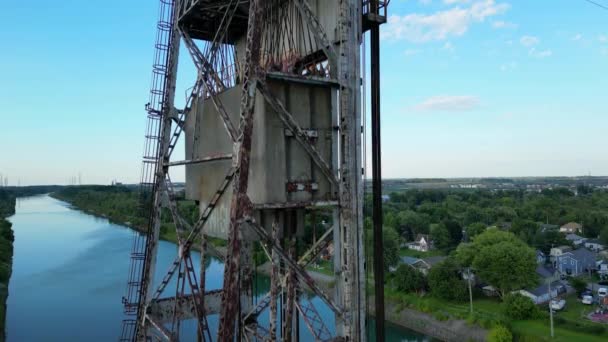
(518, 307)
(408, 279)
(500, 334)
(445, 281)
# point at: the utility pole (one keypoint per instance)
(470, 290)
(550, 307)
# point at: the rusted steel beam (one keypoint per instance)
(313, 321)
(310, 80)
(300, 272)
(201, 160)
(240, 204)
(195, 231)
(316, 247)
(294, 205)
(299, 134)
(162, 310)
(207, 70)
(318, 31)
(291, 285)
(160, 328)
(274, 281)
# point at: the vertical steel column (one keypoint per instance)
(161, 171)
(240, 205)
(348, 238)
(274, 280)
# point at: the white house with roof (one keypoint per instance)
(422, 243)
(594, 245)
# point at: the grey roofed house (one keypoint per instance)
(545, 271)
(540, 294)
(576, 262)
(409, 260)
(575, 239)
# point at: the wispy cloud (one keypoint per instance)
(540, 53)
(499, 24)
(529, 41)
(602, 38)
(448, 46)
(441, 25)
(448, 103)
(577, 37)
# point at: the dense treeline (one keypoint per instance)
(122, 204)
(7, 208)
(446, 214)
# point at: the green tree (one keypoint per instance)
(518, 307)
(440, 236)
(578, 284)
(474, 229)
(445, 281)
(604, 236)
(409, 279)
(391, 242)
(500, 259)
(500, 333)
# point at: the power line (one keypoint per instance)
(597, 4)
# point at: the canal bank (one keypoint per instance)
(7, 208)
(69, 276)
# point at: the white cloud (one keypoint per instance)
(499, 24)
(577, 37)
(540, 53)
(602, 38)
(448, 103)
(455, 21)
(529, 41)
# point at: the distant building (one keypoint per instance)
(541, 258)
(571, 227)
(540, 294)
(557, 251)
(386, 198)
(422, 265)
(594, 245)
(576, 262)
(422, 243)
(575, 239)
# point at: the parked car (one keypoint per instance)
(557, 305)
(602, 292)
(587, 299)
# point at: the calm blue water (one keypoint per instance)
(69, 272)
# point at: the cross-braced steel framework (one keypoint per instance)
(283, 40)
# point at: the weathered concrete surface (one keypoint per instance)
(276, 157)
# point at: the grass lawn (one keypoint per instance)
(323, 266)
(418, 254)
(539, 331)
(575, 310)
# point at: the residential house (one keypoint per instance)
(571, 227)
(540, 294)
(576, 262)
(575, 239)
(422, 243)
(541, 257)
(594, 245)
(546, 273)
(557, 251)
(602, 268)
(422, 265)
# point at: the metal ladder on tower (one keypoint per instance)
(155, 108)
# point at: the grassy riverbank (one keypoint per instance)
(7, 208)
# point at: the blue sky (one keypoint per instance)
(469, 88)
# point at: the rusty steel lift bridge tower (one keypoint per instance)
(273, 132)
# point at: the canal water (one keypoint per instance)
(69, 271)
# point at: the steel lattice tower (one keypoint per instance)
(272, 130)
